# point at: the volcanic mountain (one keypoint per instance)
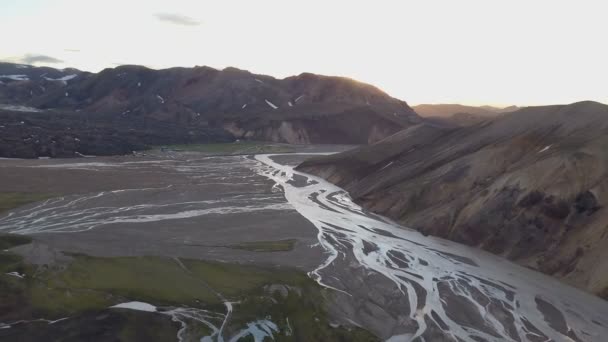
(129, 107)
(529, 185)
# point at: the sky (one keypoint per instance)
(522, 52)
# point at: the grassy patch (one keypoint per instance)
(245, 147)
(300, 315)
(152, 279)
(92, 284)
(266, 246)
(12, 240)
(10, 262)
(11, 200)
(60, 302)
(234, 280)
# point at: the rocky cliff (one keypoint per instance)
(531, 185)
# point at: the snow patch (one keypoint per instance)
(545, 149)
(16, 77)
(62, 79)
(244, 106)
(139, 306)
(290, 104)
(18, 108)
(259, 81)
(271, 105)
(387, 165)
(162, 100)
(16, 274)
(138, 84)
(299, 98)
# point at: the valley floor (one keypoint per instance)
(244, 247)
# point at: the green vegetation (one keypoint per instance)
(266, 246)
(91, 284)
(234, 280)
(151, 279)
(12, 240)
(11, 200)
(235, 148)
(10, 262)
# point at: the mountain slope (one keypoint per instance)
(301, 109)
(447, 110)
(459, 115)
(530, 185)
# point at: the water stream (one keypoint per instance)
(469, 294)
(437, 287)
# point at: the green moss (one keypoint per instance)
(233, 280)
(11, 200)
(301, 315)
(154, 279)
(10, 262)
(266, 246)
(91, 284)
(61, 302)
(11, 240)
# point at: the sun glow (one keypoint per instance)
(470, 51)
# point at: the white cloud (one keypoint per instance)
(177, 19)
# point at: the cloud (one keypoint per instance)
(177, 19)
(71, 50)
(33, 59)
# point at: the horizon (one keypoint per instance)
(432, 53)
(502, 106)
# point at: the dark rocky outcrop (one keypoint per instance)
(529, 185)
(68, 134)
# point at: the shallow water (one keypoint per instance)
(469, 294)
(439, 288)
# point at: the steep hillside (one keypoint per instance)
(459, 115)
(302, 109)
(530, 185)
(447, 110)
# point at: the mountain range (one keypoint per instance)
(63, 113)
(530, 185)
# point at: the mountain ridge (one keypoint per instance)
(460, 115)
(221, 105)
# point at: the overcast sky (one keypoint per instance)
(523, 52)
